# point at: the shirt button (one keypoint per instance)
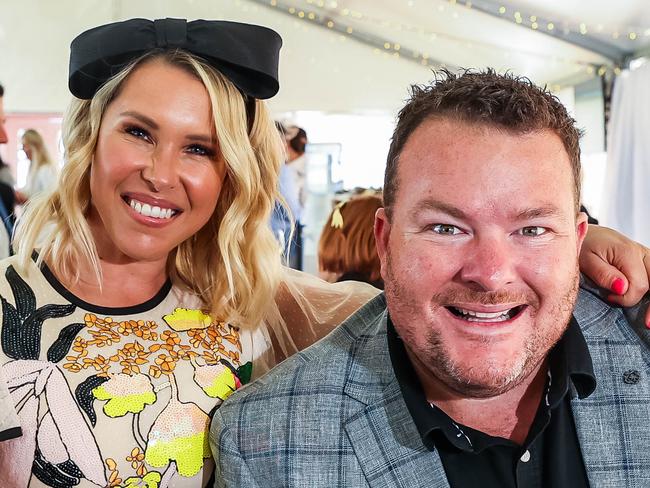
(525, 457)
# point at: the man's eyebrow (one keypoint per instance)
(538, 212)
(141, 117)
(438, 206)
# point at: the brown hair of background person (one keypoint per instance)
(507, 102)
(346, 249)
(298, 140)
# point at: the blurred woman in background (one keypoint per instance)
(43, 172)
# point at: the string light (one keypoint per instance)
(397, 50)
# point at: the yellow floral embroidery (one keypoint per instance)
(217, 381)
(180, 434)
(184, 319)
(149, 480)
(125, 394)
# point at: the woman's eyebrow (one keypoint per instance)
(141, 117)
(153, 125)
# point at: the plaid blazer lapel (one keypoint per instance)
(612, 422)
(381, 431)
(389, 448)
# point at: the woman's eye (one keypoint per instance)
(198, 150)
(445, 229)
(533, 231)
(137, 132)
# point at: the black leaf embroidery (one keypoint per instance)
(22, 324)
(63, 475)
(61, 346)
(85, 398)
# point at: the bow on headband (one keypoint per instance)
(246, 54)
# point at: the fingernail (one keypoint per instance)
(618, 286)
(647, 324)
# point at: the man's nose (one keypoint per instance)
(490, 264)
(162, 171)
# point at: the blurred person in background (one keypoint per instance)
(347, 249)
(3, 131)
(9, 423)
(43, 172)
(282, 218)
(297, 164)
(7, 195)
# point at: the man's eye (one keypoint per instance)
(445, 229)
(533, 231)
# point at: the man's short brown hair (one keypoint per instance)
(504, 101)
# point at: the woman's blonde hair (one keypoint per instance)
(233, 263)
(40, 154)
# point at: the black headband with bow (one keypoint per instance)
(246, 54)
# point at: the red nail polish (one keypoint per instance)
(618, 286)
(647, 325)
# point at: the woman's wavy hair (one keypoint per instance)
(233, 263)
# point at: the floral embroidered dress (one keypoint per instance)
(114, 397)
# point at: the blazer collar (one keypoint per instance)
(612, 422)
(382, 433)
(369, 370)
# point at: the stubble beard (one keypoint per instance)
(482, 380)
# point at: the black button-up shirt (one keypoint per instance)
(550, 456)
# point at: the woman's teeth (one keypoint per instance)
(149, 211)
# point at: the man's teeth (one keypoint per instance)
(149, 211)
(472, 316)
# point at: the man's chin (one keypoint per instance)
(486, 382)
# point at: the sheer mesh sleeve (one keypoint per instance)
(308, 308)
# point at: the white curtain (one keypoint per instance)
(627, 187)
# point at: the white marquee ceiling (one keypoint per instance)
(346, 55)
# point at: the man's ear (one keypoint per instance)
(382, 234)
(582, 226)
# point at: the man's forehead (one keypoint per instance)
(435, 141)
(479, 165)
(513, 211)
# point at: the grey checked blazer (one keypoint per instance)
(334, 416)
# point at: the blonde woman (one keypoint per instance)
(133, 306)
(147, 287)
(42, 174)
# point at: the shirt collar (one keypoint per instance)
(569, 359)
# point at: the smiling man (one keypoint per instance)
(484, 364)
